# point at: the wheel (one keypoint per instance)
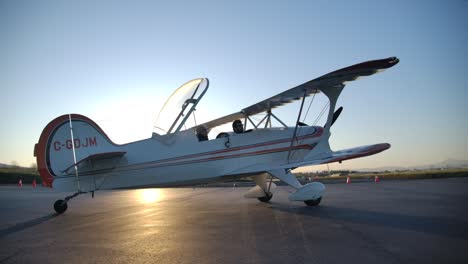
(313, 202)
(266, 198)
(60, 206)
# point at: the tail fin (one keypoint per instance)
(54, 151)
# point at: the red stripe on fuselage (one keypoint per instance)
(317, 133)
(165, 164)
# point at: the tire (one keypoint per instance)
(60, 206)
(313, 202)
(266, 198)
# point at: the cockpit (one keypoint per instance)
(178, 113)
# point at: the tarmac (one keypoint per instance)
(414, 221)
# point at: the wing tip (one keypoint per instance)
(392, 61)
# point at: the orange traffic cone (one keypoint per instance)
(34, 183)
(348, 180)
(20, 183)
(377, 179)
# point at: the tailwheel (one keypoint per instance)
(314, 202)
(60, 206)
(266, 198)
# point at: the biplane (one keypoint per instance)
(74, 154)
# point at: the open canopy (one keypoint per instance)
(180, 106)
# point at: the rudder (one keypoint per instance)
(54, 151)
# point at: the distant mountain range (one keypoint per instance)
(447, 164)
(9, 166)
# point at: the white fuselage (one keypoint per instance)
(181, 159)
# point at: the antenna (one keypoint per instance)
(74, 155)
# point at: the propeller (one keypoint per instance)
(336, 115)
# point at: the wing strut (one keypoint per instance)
(250, 120)
(277, 119)
(297, 124)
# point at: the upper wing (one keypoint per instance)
(328, 81)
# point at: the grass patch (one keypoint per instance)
(401, 175)
(13, 175)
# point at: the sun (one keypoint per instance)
(148, 196)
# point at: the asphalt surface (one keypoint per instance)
(419, 221)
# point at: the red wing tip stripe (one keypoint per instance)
(370, 151)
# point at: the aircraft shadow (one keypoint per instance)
(435, 225)
(25, 225)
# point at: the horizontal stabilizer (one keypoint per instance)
(96, 158)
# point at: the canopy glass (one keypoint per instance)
(180, 106)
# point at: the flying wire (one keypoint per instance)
(308, 108)
(321, 113)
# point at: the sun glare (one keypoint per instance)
(147, 196)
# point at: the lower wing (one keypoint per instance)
(334, 156)
(340, 155)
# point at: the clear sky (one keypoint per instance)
(118, 61)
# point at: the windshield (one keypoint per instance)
(180, 106)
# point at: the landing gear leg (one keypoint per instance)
(268, 194)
